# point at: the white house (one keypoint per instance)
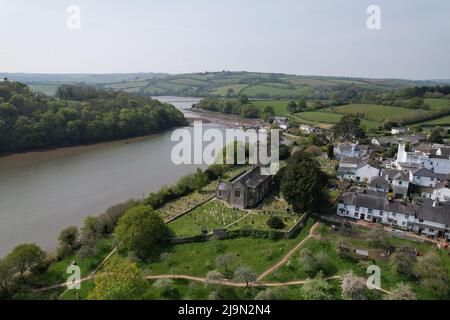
(422, 158)
(307, 129)
(423, 177)
(355, 169)
(427, 217)
(379, 184)
(349, 150)
(399, 182)
(398, 130)
(282, 122)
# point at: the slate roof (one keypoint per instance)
(379, 182)
(439, 214)
(379, 201)
(393, 174)
(424, 172)
(253, 178)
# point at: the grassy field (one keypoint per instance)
(328, 243)
(437, 104)
(374, 115)
(199, 258)
(445, 121)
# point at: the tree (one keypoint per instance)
(330, 152)
(317, 288)
(271, 294)
(292, 107)
(214, 276)
(120, 281)
(432, 274)
(243, 99)
(69, 236)
(349, 128)
(303, 183)
(244, 274)
(315, 263)
(68, 240)
(224, 261)
(275, 222)
(402, 263)
(6, 278)
(377, 238)
(353, 287)
(166, 288)
(26, 257)
(436, 135)
(401, 292)
(141, 229)
(301, 105)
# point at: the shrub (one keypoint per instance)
(275, 222)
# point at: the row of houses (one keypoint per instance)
(427, 217)
(427, 168)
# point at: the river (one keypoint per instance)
(42, 193)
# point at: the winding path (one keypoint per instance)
(289, 254)
(224, 282)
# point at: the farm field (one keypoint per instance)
(444, 121)
(437, 104)
(375, 115)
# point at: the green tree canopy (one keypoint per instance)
(303, 183)
(119, 281)
(349, 128)
(141, 229)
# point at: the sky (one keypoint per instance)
(307, 37)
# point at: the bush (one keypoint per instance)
(275, 222)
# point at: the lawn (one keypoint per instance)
(210, 216)
(198, 258)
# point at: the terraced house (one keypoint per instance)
(423, 216)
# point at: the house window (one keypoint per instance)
(421, 220)
(237, 193)
(370, 211)
(400, 183)
(394, 214)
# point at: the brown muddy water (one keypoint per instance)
(42, 193)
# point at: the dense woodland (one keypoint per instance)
(79, 114)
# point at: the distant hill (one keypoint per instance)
(256, 85)
(217, 84)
